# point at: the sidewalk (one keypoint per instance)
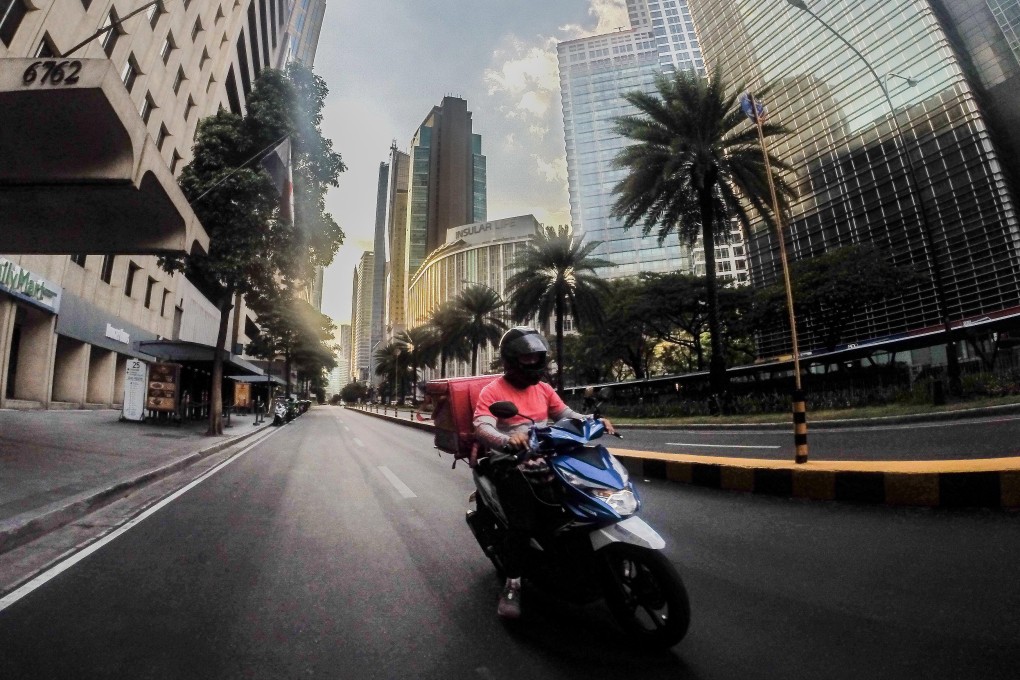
(57, 466)
(993, 483)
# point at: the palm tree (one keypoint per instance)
(694, 162)
(480, 306)
(448, 323)
(418, 349)
(389, 363)
(555, 272)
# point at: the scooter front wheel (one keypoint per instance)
(646, 595)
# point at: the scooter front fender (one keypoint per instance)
(632, 530)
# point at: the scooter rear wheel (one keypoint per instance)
(646, 595)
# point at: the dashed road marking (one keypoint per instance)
(401, 488)
(724, 446)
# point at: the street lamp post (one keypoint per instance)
(396, 369)
(929, 242)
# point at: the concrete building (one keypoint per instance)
(378, 323)
(594, 74)
(950, 70)
(447, 180)
(93, 179)
(394, 318)
(478, 253)
(343, 363)
(361, 317)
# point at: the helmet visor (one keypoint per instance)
(526, 344)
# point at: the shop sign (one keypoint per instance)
(118, 334)
(242, 395)
(27, 286)
(164, 384)
(135, 381)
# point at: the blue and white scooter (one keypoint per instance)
(590, 543)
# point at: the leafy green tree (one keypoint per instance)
(481, 308)
(292, 328)
(254, 248)
(621, 334)
(694, 166)
(829, 290)
(353, 392)
(555, 275)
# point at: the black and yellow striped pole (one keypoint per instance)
(755, 112)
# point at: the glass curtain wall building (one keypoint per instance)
(594, 74)
(852, 179)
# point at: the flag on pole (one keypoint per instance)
(755, 112)
(278, 164)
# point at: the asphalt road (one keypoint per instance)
(990, 437)
(336, 548)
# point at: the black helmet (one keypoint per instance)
(514, 344)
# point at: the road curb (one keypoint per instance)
(947, 488)
(28, 526)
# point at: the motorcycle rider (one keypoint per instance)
(524, 352)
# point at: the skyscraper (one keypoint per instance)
(944, 65)
(396, 239)
(594, 74)
(447, 180)
(361, 318)
(378, 312)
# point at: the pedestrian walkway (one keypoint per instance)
(56, 466)
(991, 482)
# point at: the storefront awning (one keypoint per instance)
(197, 354)
(259, 379)
(80, 174)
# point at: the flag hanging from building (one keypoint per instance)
(753, 111)
(278, 164)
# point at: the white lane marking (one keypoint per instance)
(346, 429)
(723, 446)
(358, 442)
(74, 559)
(402, 488)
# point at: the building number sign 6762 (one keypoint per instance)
(52, 73)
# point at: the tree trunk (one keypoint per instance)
(717, 363)
(216, 389)
(286, 370)
(559, 343)
(474, 358)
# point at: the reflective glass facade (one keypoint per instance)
(851, 176)
(594, 74)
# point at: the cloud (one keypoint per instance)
(554, 170)
(525, 77)
(609, 16)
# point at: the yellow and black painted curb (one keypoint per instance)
(988, 483)
(959, 483)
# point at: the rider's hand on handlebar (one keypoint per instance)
(609, 426)
(518, 441)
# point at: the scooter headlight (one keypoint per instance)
(622, 501)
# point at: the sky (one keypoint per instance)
(388, 62)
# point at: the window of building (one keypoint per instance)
(219, 14)
(175, 161)
(106, 274)
(129, 284)
(196, 29)
(130, 73)
(79, 259)
(154, 13)
(86, 3)
(147, 106)
(46, 47)
(148, 291)
(162, 137)
(189, 108)
(179, 80)
(162, 305)
(168, 47)
(205, 58)
(111, 37)
(12, 12)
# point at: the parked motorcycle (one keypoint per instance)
(592, 544)
(280, 411)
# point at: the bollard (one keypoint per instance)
(800, 427)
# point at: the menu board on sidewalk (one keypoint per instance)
(135, 378)
(164, 381)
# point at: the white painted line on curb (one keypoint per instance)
(723, 446)
(404, 489)
(74, 559)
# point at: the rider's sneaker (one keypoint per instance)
(510, 600)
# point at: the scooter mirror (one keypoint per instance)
(503, 409)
